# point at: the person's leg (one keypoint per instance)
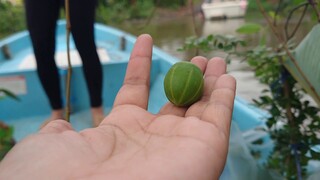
(82, 15)
(41, 19)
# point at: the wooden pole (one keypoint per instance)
(68, 30)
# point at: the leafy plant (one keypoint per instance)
(294, 121)
(6, 132)
(6, 140)
(227, 44)
(12, 18)
(119, 11)
(170, 3)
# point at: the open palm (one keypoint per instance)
(131, 143)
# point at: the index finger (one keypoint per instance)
(135, 88)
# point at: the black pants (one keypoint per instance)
(41, 17)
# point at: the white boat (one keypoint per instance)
(224, 8)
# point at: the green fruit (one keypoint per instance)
(183, 84)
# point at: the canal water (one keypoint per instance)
(169, 34)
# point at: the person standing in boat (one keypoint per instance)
(41, 17)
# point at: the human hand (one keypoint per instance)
(131, 143)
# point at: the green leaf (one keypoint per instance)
(307, 55)
(249, 28)
(274, 16)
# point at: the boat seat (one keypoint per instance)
(29, 61)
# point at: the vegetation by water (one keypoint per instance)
(293, 123)
(12, 18)
(6, 132)
(6, 139)
(108, 12)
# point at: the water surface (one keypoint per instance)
(170, 34)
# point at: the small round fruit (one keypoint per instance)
(183, 84)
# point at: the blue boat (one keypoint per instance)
(18, 74)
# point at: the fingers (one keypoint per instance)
(214, 69)
(220, 107)
(169, 108)
(201, 62)
(135, 89)
(56, 126)
(216, 104)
